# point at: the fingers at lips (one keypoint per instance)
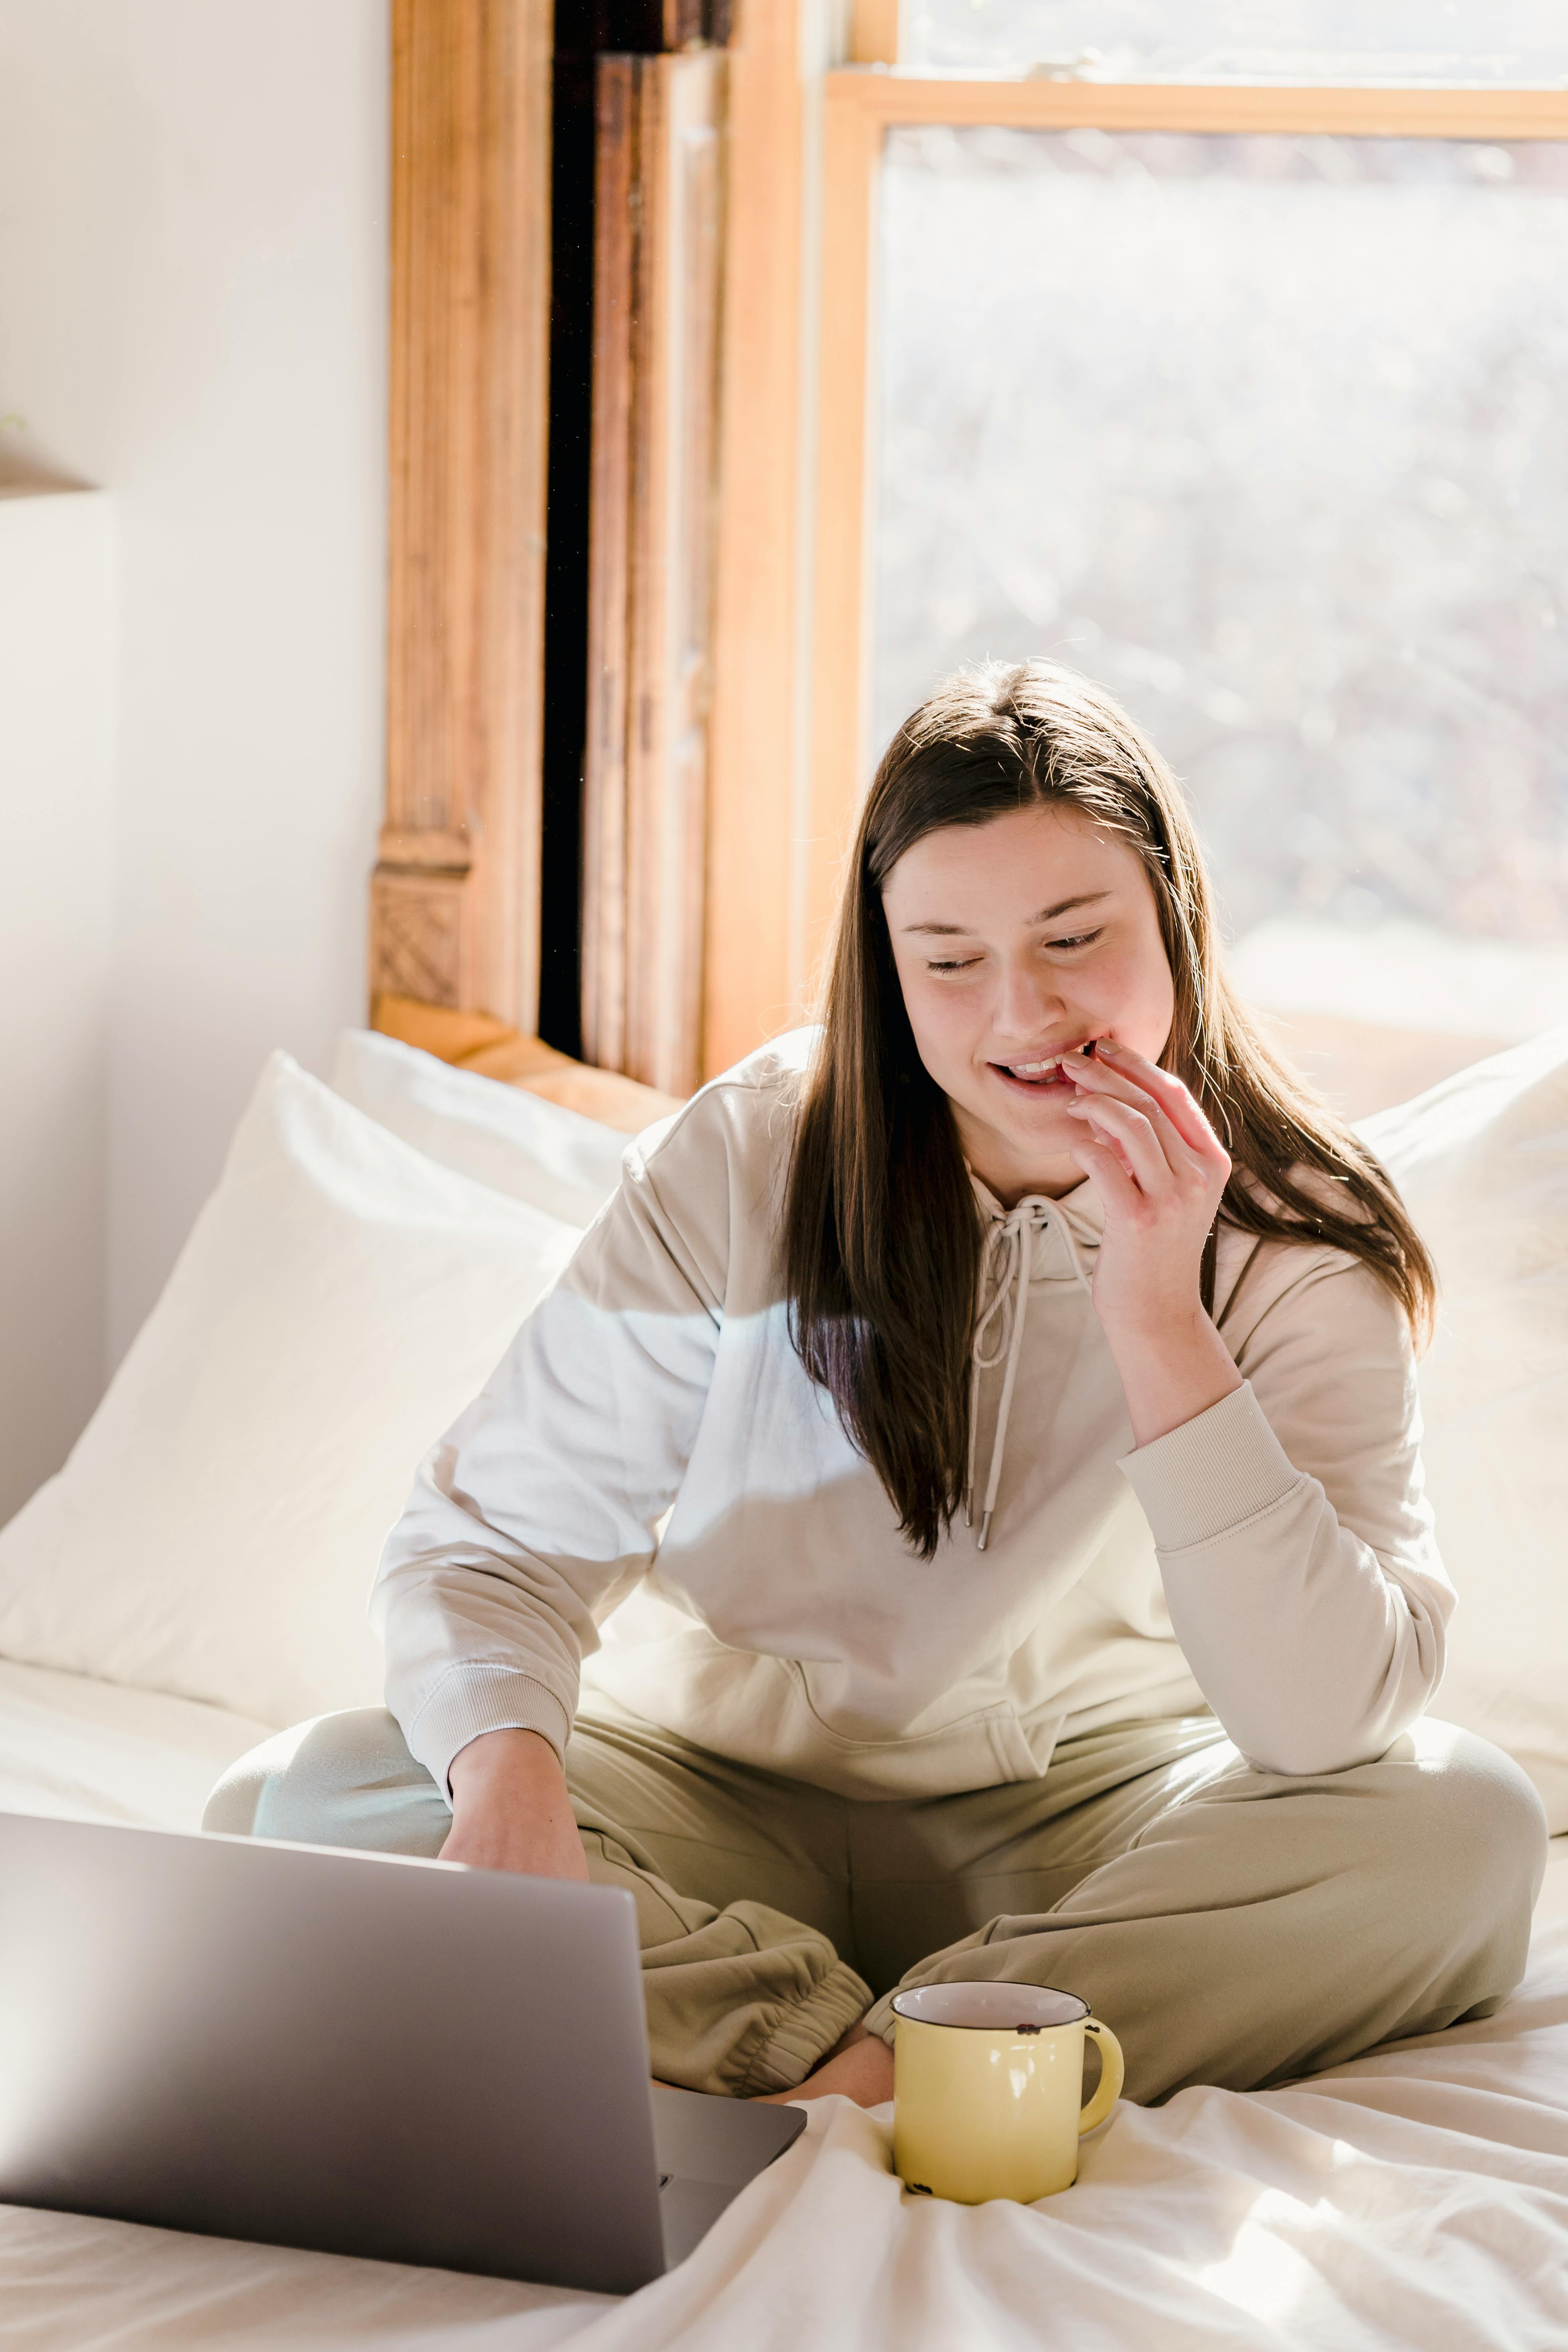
(1139, 1115)
(1148, 1083)
(1126, 1062)
(1107, 1078)
(1132, 1126)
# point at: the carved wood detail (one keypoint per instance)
(423, 947)
(454, 900)
(657, 273)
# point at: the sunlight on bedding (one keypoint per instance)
(81, 1749)
(1264, 2274)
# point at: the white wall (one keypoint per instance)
(192, 285)
(56, 881)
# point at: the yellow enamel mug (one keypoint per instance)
(988, 2089)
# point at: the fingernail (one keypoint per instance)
(1104, 1045)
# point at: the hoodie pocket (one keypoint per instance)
(977, 1750)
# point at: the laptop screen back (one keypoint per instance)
(342, 2052)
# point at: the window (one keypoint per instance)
(1401, 43)
(1241, 395)
(1266, 434)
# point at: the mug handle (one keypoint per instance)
(1113, 2072)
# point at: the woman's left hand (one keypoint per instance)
(1161, 1171)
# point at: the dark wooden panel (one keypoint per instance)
(456, 895)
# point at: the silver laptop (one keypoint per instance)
(350, 2052)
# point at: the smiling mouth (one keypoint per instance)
(1041, 1072)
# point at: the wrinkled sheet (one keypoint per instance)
(1418, 2199)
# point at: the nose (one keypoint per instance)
(1029, 1002)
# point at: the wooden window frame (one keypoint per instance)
(753, 978)
(455, 898)
(861, 105)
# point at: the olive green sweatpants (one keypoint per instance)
(1231, 1927)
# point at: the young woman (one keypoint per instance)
(992, 1422)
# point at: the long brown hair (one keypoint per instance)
(881, 1231)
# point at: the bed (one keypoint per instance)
(195, 1577)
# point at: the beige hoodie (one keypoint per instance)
(1273, 1558)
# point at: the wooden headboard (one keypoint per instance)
(478, 1042)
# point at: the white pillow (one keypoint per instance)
(1482, 1162)
(501, 1135)
(217, 1526)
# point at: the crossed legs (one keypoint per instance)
(1232, 1926)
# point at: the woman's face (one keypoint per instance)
(1017, 940)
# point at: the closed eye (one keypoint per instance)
(1078, 939)
(964, 963)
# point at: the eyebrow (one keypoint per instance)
(1046, 915)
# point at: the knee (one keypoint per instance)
(245, 1792)
(304, 1784)
(1466, 1819)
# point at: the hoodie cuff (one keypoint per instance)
(1202, 1480)
(475, 1699)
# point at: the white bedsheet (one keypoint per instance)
(1418, 2199)
(82, 1750)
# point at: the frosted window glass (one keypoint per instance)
(1400, 41)
(1270, 436)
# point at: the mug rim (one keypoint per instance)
(1001, 2025)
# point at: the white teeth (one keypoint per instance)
(1039, 1069)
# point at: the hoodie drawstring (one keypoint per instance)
(1007, 1262)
